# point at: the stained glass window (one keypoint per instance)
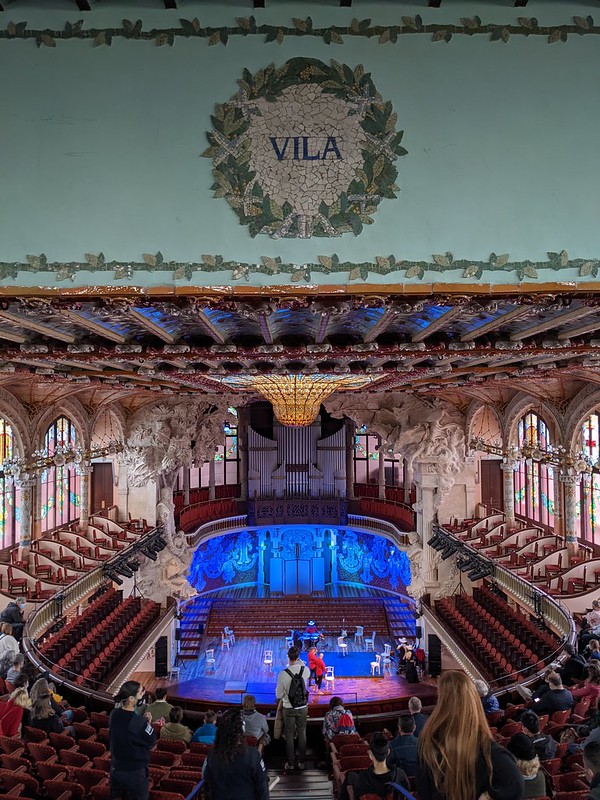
(59, 486)
(10, 517)
(588, 507)
(366, 460)
(533, 481)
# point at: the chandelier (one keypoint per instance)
(21, 469)
(568, 463)
(296, 399)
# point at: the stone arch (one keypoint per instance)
(116, 412)
(69, 407)
(579, 409)
(16, 415)
(473, 411)
(519, 406)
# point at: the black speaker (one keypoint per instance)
(177, 634)
(434, 647)
(161, 661)
(418, 632)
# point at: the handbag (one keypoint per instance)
(278, 726)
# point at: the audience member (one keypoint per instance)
(14, 615)
(376, 778)
(591, 763)
(573, 668)
(9, 647)
(458, 758)
(15, 713)
(131, 739)
(489, 701)
(255, 723)
(159, 709)
(207, 732)
(528, 762)
(174, 729)
(337, 719)
(15, 668)
(44, 717)
(232, 770)
(292, 690)
(557, 698)
(591, 686)
(544, 745)
(415, 709)
(41, 688)
(592, 651)
(317, 667)
(593, 617)
(403, 747)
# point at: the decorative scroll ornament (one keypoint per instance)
(305, 149)
(296, 399)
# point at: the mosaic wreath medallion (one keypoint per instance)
(306, 149)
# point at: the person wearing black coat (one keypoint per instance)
(13, 614)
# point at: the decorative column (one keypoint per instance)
(84, 470)
(211, 477)
(186, 486)
(381, 475)
(242, 435)
(350, 437)
(333, 554)
(508, 467)
(122, 494)
(426, 480)
(26, 485)
(570, 482)
(559, 507)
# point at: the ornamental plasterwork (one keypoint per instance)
(305, 149)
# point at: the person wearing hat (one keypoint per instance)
(528, 763)
(376, 779)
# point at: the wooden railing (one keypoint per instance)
(198, 513)
(379, 526)
(398, 513)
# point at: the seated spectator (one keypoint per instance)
(593, 617)
(15, 713)
(232, 770)
(376, 778)
(458, 757)
(557, 698)
(41, 688)
(591, 764)
(488, 700)
(159, 709)
(8, 643)
(528, 763)
(174, 730)
(591, 686)
(403, 747)
(573, 668)
(592, 651)
(255, 723)
(415, 708)
(15, 669)
(544, 745)
(13, 615)
(44, 717)
(337, 720)
(206, 734)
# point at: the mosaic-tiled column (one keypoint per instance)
(508, 467)
(570, 483)
(211, 477)
(26, 485)
(85, 470)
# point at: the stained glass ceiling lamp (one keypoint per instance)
(296, 399)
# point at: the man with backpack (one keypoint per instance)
(293, 692)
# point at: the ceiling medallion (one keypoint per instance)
(305, 149)
(296, 399)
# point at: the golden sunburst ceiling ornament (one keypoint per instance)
(296, 399)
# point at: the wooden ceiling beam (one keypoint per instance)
(494, 324)
(152, 327)
(560, 319)
(580, 331)
(93, 327)
(323, 328)
(37, 327)
(381, 325)
(437, 324)
(12, 337)
(211, 329)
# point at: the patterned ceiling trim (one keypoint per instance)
(326, 265)
(247, 26)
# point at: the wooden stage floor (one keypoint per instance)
(195, 686)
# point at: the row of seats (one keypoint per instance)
(543, 641)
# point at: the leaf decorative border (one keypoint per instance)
(326, 265)
(239, 185)
(248, 26)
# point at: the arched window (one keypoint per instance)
(366, 460)
(60, 483)
(10, 506)
(588, 507)
(534, 481)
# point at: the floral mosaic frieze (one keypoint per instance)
(331, 35)
(397, 269)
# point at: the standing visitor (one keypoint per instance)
(317, 667)
(292, 690)
(131, 739)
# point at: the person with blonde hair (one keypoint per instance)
(15, 712)
(458, 757)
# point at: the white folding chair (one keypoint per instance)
(359, 636)
(268, 659)
(329, 678)
(230, 634)
(370, 643)
(210, 660)
(376, 665)
(225, 642)
(342, 646)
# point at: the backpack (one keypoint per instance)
(344, 723)
(297, 693)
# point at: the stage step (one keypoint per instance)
(300, 785)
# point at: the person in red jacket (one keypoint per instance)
(317, 667)
(14, 713)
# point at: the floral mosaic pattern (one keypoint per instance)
(306, 149)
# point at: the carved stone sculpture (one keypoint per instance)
(415, 556)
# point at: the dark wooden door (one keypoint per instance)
(492, 493)
(102, 487)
